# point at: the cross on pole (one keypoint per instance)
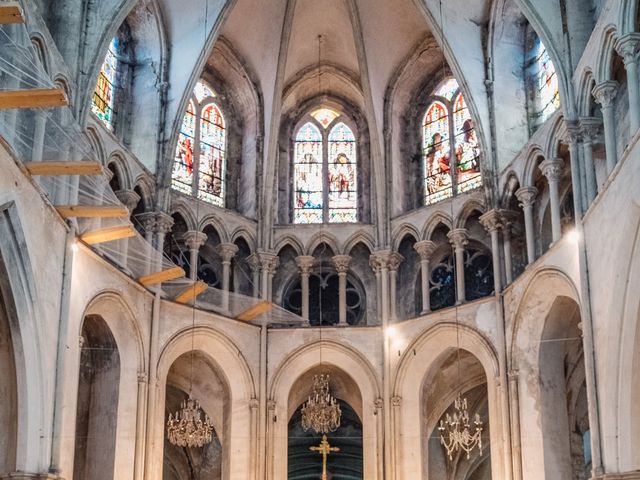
(324, 449)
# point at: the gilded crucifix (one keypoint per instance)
(324, 449)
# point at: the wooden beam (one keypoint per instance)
(64, 168)
(33, 98)
(162, 276)
(92, 211)
(191, 292)
(10, 12)
(108, 234)
(255, 311)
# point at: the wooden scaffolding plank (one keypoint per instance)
(108, 234)
(10, 12)
(56, 168)
(191, 292)
(162, 276)
(255, 311)
(33, 98)
(92, 211)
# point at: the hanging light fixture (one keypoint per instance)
(187, 428)
(321, 412)
(455, 430)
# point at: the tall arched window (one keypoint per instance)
(325, 171)
(544, 95)
(200, 160)
(103, 100)
(446, 137)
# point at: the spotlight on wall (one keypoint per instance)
(74, 246)
(391, 331)
(572, 235)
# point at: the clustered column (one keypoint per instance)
(254, 263)
(459, 238)
(395, 259)
(627, 47)
(194, 239)
(342, 262)
(425, 249)
(605, 93)
(269, 262)
(589, 128)
(552, 169)
(507, 217)
(130, 199)
(491, 221)
(527, 197)
(305, 264)
(379, 262)
(227, 251)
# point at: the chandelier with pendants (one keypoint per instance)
(456, 430)
(321, 412)
(190, 426)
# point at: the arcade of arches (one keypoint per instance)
(432, 201)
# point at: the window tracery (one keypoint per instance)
(103, 100)
(325, 171)
(200, 158)
(448, 134)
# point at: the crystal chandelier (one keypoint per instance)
(187, 429)
(455, 430)
(321, 411)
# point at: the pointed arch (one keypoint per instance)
(433, 222)
(291, 241)
(468, 208)
(403, 231)
(359, 237)
(320, 238)
(215, 222)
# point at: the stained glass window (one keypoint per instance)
(200, 161)
(445, 137)
(546, 82)
(325, 172)
(343, 190)
(103, 100)
(308, 178)
(325, 116)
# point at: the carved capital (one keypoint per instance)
(379, 260)
(142, 377)
(342, 263)
(194, 239)
(227, 251)
(552, 169)
(589, 128)
(129, 199)
(378, 404)
(627, 47)
(491, 220)
(254, 403)
(147, 220)
(571, 133)
(395, 259)
(254, 262)
(527, 196)
(425, 249)
(305, 264)
(156, 222)
(396, 401)
(513, 375)
(269, 261)
(459, 238)
(605, 93)
(271, 405)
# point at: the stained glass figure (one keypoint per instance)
(467, 148)
(308, 178)
(343, 190)
(546, 82)
(435, 144)
(200, 160)
(212, 156)
(103, 100)
(445, 137)
(325, 116)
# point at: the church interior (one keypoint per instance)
(301, 239)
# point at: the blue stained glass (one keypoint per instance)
(103, 100)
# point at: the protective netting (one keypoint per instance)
(53, 135)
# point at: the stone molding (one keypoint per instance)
(129, 198)
(527, 196)
(425, 249)
(305, 263)
(227, 251)
(194, 239)
(620, 476)
(552, 169)
(605, 93)
(491, 220)
(342, 263)
(459, 238)
(589, 128)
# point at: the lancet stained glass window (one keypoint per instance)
(103, 100)
(325, 173)
(200, 160)
(542, 80)
(448, 134)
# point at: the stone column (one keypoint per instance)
(507, 218)
(589, 128)
(254, 263)
(305, 264)
(552, 169)
(162, 226)
(269, 262)
(527, 197)
(194, 239)
(605, 93)
(516, 447)
(459, 238)
(573, 138)
(395, 259)
(147, 220)
(627, 48)
(425, 249)
(379, 263)
(227, 251)
(129, 199)
(342, 262)
(491, 222)
(376, 271)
